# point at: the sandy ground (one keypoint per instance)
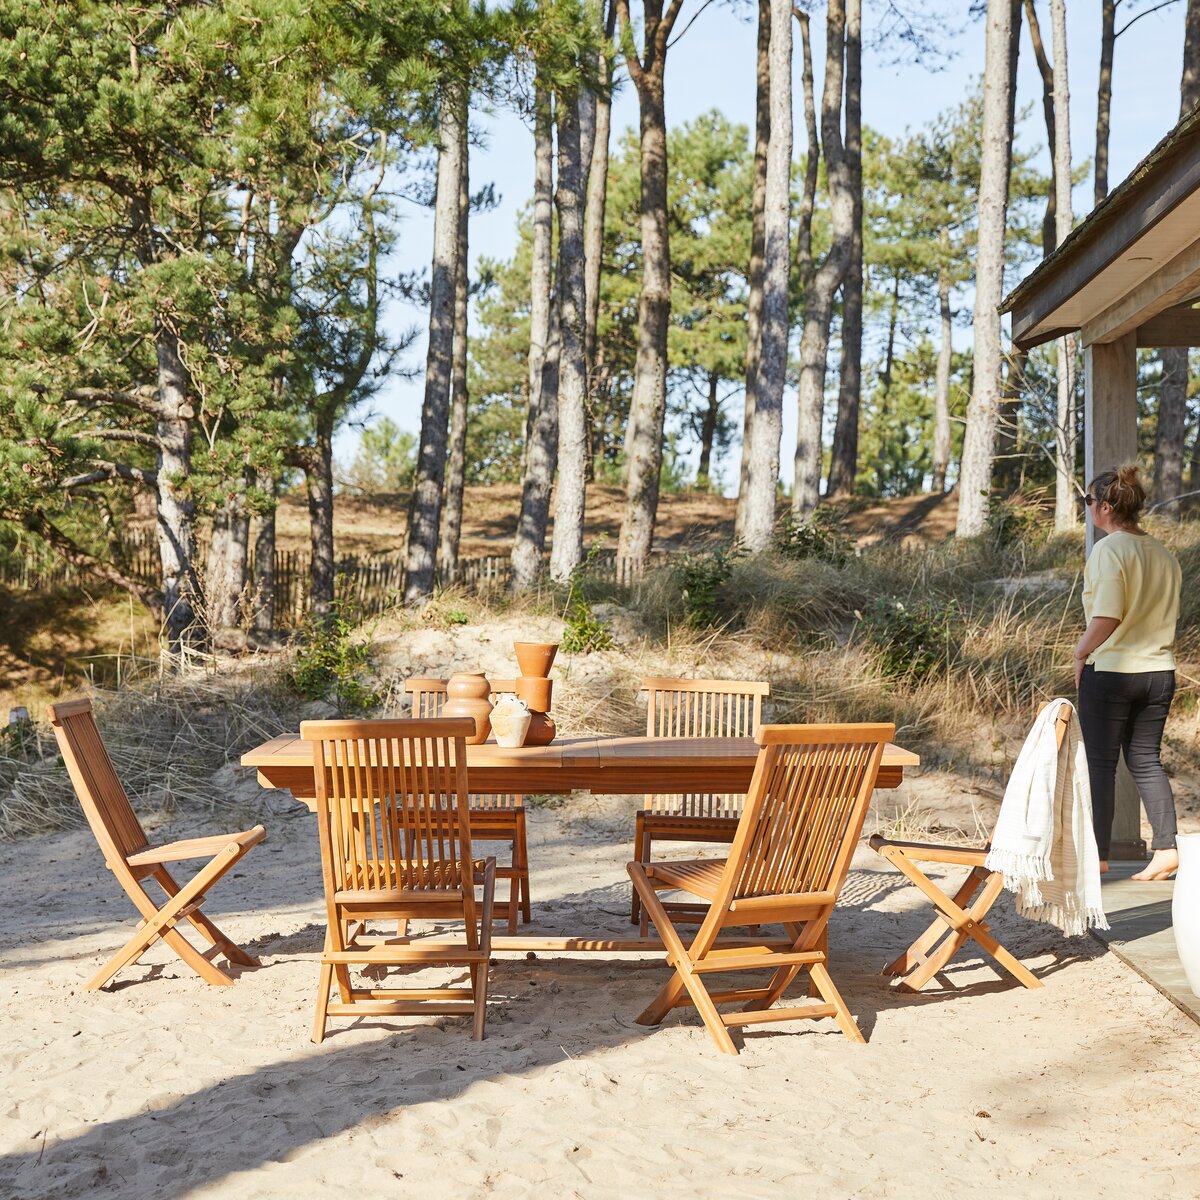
(160, 1086)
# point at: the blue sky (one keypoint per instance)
(712, 66)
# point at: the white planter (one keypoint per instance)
(1185, 907)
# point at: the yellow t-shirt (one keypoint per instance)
(1135, 578)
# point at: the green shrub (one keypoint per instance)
(583, 631)
(331, 665)
(822, 537)
(911, 641)
(702, 577)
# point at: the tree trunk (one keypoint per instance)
(767, 427)
(539, 277)
(1010, 469)
(975, 475)
(597, 199)
(228, 551)
(941, 395)
(843, 460)
(173, 519)
(567, 550)
(530, 540)
(1046, 70)
(762, 136)
(818, 300)
(1108, 41)
(318, 472)
(456, 465)
(708, 432)
(889, 351)
(264, 559)
(1066, 514)
(647, 408)
(1189, 84)
(812, 161)
(1172, 404)
(1169, 433)
(425, 505)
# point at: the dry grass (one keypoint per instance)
(167, 738)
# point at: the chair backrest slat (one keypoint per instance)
(697, 708)
(806, 807)
(392, 802)
(103, 799)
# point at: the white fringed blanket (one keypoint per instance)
(1044, 844)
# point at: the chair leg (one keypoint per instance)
(919, 951)
(639, 855)
(324, 986)
(684, 978)
(521, 853)
(829, 993)
(206, 926)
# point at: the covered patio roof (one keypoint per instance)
(1133, 266)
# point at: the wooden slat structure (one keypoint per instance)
(802, 818)
(693, 708)
(395, 832)
(134, 862)
(495, 816)
(1127, 277)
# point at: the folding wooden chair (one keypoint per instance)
(693, 708)
(395, 833)
(132, 859)
(959, 917)
(494, 817)
(794, 842)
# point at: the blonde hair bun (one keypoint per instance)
(1123, 490)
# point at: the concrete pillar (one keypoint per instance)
(1110, 440)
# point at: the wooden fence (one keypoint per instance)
(370, 583)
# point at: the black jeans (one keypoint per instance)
(1127, 711)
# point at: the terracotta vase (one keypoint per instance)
(467, 695)
(535, 691)
(541, 729)
(535, 658)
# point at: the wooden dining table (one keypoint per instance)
(611, 766)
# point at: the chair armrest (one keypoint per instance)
(964, 856)
(204, 847)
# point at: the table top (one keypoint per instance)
(290, 750)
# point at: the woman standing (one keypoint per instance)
(1125, 664)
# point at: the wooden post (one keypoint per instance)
(1110, 440)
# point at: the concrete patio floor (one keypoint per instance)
(1139, 915)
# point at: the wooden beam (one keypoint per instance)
(1177, 326)
(1110, 440)
(1109, 409)
(1173, 282)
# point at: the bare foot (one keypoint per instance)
(1104, 866)
(1162, 865)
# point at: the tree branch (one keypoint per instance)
(144, 398)
(105, 471)
(629, 50)
(124, 435)
(84, 561)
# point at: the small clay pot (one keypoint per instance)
(541, 730)
(535, 658)
(535, 691)
(467, 695)
(510, 721)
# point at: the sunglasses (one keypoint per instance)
(1089, 499)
